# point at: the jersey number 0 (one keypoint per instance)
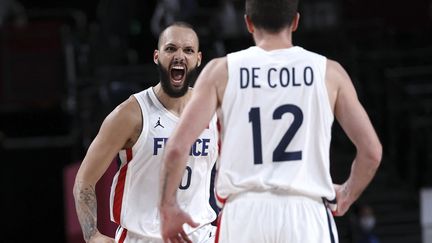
(279, 153)
(185, 183)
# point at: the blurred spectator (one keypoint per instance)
(366, 224)
(12, 11)
(120, 33)
(231, 24)
(168, 11)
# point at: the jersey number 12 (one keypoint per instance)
(279, 153)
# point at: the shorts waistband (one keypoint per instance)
(273, 195)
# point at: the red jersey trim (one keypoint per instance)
(119, 189)
(123, 235)
(218, 225)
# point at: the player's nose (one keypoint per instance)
(179, 55)
(180, 59)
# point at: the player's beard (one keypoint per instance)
(165, 79)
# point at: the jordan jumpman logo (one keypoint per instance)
(158, 124)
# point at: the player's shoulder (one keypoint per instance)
(336, 76)
(334, 70)
(127, 111)
(334, 65)
(130, 104)
(215, 69)
(217, 63)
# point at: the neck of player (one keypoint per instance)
(273, 41)
(174, 105)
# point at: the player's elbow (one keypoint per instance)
(81, 186)
(373, 153)
(76, 189)
(174, 150)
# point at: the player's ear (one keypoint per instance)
(199, 59)
(295, 22)
(249, 25)
(155, 56)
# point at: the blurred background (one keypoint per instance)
(64, 65)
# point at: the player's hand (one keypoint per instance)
(343, 200)
(100, 238)
(172, 220)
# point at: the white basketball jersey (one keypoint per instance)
(276, 123)
(135, 189)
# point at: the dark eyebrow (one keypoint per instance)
(174, 45)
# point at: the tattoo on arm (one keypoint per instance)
(86, 207)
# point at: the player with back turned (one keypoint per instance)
(276, 103)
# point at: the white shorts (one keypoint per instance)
(204, 234)
(266, 217)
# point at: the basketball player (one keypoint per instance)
(276, 102)
(137, 130)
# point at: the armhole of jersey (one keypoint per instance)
(216, 135)
(228, 90)
(323, 69)
(145, 123)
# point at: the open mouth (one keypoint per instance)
(177, 73)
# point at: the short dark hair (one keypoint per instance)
(178, 24)
(271, 15)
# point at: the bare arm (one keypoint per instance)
(355, 122)
(196, 116)
(116, 131)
